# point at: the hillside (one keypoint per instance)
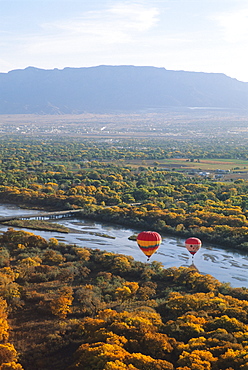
(115, 88)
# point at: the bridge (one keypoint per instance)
(43, 215)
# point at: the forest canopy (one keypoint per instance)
(67, 308)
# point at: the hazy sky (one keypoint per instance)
(196, 35)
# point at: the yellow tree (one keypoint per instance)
(196, 360)
(7, 353)
(61, 305)
(4, 326)
(11, 366)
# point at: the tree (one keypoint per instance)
(4, 326)
(7, 353)
(196, 360)
(61, 305)
(52, 257)
(11, 366)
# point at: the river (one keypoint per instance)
(225, 265)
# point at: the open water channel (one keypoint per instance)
(224, 265)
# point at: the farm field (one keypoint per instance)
(203, 164)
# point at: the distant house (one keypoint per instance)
(204, 174)
(222, 171)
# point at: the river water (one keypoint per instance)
(225, 265)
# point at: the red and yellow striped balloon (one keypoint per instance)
(149, 242)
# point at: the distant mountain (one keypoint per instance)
(116, 88)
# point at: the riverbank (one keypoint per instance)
(37, 225)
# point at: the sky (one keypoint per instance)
(189, 35)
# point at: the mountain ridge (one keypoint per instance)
(101, 89)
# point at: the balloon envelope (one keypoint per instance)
(193, 245)
(149, 242)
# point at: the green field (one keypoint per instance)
(203, 164)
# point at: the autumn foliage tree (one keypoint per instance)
(61, 305)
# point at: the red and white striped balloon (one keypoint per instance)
(193, 245)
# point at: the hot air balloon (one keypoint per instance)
(193, 245)
(149, 242)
